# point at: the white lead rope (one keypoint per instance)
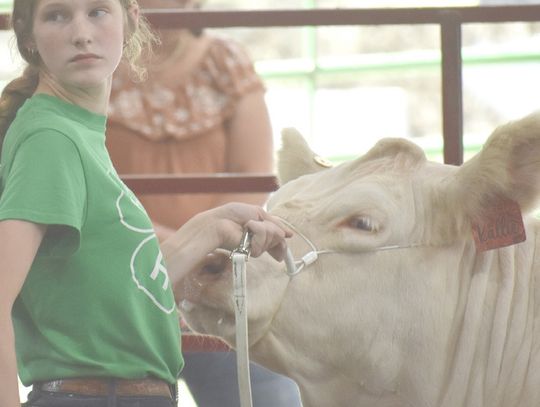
(239, 259)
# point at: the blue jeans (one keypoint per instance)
(211, 377)
(47, 399)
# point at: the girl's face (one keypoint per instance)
(79, 41)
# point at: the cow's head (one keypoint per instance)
(362, 317)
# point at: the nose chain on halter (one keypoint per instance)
(296, 266)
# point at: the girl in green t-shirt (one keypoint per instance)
(87, 308)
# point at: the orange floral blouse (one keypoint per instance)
(154, 128)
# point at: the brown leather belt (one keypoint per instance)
(104, 387)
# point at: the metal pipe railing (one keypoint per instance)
(452, 88)
(450, 20)
(343, 16)
(201, 183)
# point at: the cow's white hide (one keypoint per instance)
(435, 325)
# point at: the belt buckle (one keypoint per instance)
(174, 392)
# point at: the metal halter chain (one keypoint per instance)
(239, 257)
(296, 266)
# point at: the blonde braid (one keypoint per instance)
(14, 95)
(18, 90)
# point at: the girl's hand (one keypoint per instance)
(222, 228)
(268, 233)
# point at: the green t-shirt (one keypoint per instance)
(97, 300)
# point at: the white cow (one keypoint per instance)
(433, 322)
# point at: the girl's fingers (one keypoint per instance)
(277, 222)
(268, 232)
(267, 237)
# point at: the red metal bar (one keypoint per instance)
(321, 17)
(354, 16)
(450, 19)
(200, 183)
(452, 89)
(4, 22)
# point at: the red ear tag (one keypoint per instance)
(500, 225)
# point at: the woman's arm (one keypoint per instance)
(222, 228)
(249, 144)
(19, 242)
(249, 150)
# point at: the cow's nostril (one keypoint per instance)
(213, 268)
(214, 264)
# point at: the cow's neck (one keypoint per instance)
(476, 336)
(493, 329)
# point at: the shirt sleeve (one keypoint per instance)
(46, 184)
(232, 68)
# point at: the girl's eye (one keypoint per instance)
(55, 15)
(98, 12)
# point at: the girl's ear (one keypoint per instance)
(133, 18)
(29, 43)
(134, 12)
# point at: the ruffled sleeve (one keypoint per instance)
(205, 100)
(229, 63)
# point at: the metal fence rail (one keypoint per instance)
(201, 183)
(449, 19)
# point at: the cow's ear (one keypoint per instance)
(508, 167)
(295, 158)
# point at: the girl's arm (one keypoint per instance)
(249, 150)
(222, 228)
(19, 242)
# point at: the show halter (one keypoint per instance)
(239, 257)
(296, 266)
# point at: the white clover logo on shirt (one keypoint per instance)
(152, 279)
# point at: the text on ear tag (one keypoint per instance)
(500, 225)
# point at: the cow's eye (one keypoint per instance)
(362, 223)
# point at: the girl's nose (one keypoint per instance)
(81, 41)
(82, 32)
